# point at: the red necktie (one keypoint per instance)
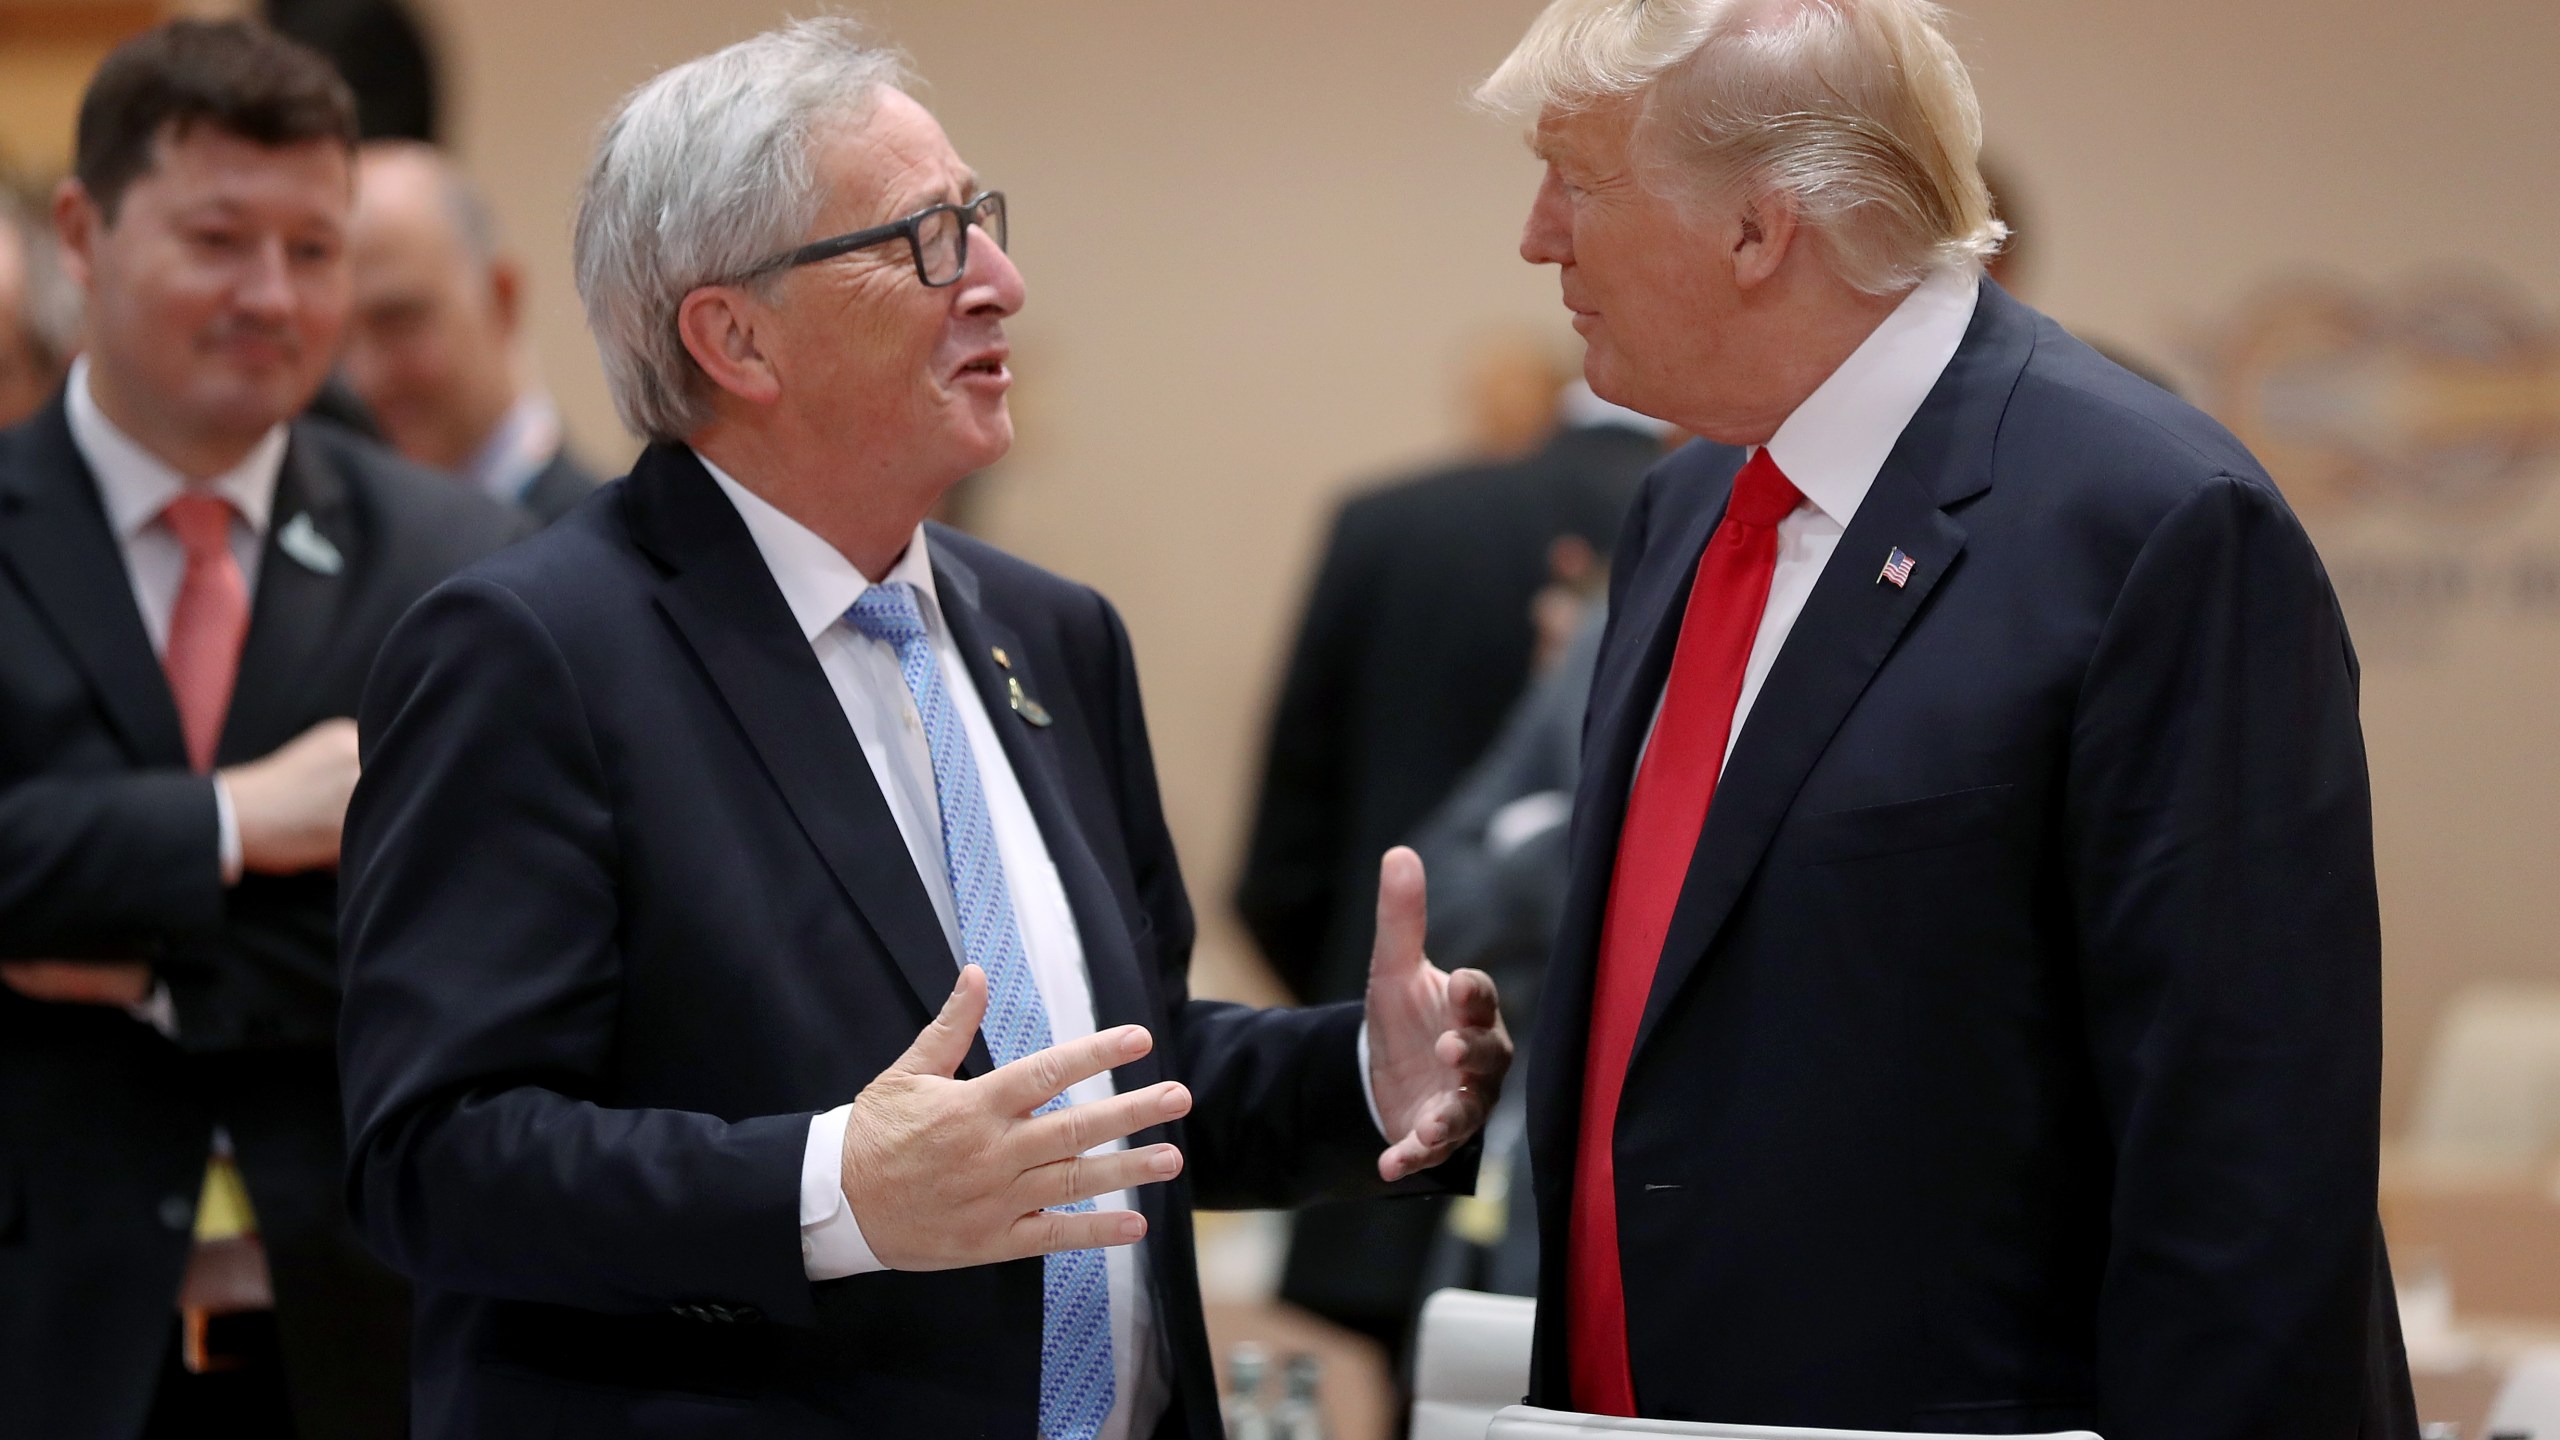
(1664, 814)
(207, 625)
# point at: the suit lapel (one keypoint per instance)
(722, 599)
(297, 606)
(1849, 625)
(1643, 631)
(59, 543)
(1121, 992)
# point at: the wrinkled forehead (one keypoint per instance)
(886, 160)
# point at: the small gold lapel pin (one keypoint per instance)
(1023, 705)
(1003, 661)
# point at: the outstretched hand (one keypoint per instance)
(1437, 1046)
(943, 1172)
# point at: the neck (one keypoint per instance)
(867, 509)
(1798, 338)
(197, 453)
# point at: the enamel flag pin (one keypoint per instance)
(303, 541)
(1897, 568)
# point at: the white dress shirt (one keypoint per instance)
(1833, 445)
(135, 486)
(819, 584)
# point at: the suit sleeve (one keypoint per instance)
(1286, 894)
(107, 865)
(2220, 845)
(482, 983)
(1279, 1116)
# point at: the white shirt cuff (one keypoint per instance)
(1368, 1090)
(227, 824)
(831, 1243)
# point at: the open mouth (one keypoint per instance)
(988, 366)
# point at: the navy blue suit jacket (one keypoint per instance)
(625, 908)
(2014, 1055)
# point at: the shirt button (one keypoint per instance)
(177, 1212)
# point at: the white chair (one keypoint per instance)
(1521, 1422)
(2492, 1088)
(1470, 1360)
(2529, 1402)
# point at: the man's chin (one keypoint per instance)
(255, 404)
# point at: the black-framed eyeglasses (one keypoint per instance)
(937, 236)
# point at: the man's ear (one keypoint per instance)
(1764, 230)
(718, 324)
(76, 223)
(506, 294)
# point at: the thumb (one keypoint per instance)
(1401, 913)
(944, 1041)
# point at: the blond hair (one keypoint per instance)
(1858, 111)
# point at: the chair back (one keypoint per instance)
(1470, 1360)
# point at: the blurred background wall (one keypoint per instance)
(1260, 239)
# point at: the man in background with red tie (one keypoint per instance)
(192, 589)
(1966, 1016)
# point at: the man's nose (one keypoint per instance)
(992, 285)
(1547, 238)
(265, 286)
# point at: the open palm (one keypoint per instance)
(1437, 1046)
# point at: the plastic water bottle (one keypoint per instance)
(1247, 1410)
(1301, 1413)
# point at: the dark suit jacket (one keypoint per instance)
(557, 487)
(2013, 1059)
(108, 849)
(626, 908)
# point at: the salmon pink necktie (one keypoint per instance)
(1665, 812)
(207, 625)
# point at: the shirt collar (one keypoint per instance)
(1836, 441)
(526, 438)
(136, 485)
(817, 582)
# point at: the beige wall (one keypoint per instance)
(1256, 237)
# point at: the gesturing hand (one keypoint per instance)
(292, 804)
(73, 982)
(1437, 1046)
(943, 1172)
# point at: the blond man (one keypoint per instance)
(1967, 1011)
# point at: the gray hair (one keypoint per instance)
(1858, 111)
(704, 171)
(50, 308)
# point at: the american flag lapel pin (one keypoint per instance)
(1897, 568)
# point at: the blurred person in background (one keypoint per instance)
(1966, 1011)
(192, 587)
(435, 346)
(743, 868)
(39, 311)
(1417, 636)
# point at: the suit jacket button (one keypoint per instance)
(177, 1212)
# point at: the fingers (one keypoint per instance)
(1083, 1177)
(944, 1041)
(1475, 1054)
(1401, 913)
(1046, 1232)
(1447, 1123)
(1030, 1082)
(1079, 1128)
(1473, 1001)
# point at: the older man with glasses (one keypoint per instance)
(766, 1008)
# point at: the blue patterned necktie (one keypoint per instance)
(1075, 1342)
